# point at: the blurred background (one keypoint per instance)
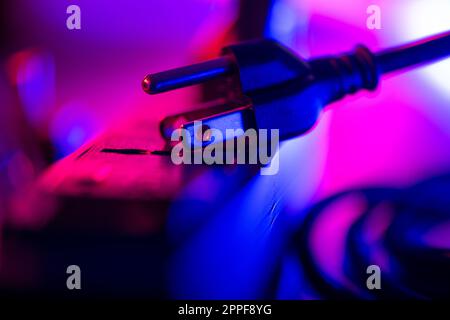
(66, 86)
(61, 88)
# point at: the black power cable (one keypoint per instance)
(420, 52)
(406, 232)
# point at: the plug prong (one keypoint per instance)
(186, 76)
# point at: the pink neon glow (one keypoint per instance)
(394, 136)
(373, 232)
(328, 235)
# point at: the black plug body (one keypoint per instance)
(288, 93)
